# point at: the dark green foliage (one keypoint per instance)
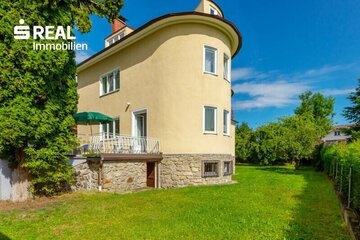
(318, 107)
(38, 94)
(289, 140)
(352, 113)
(243, 143)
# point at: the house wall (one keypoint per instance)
(5, 180)
(163, 73)
(332, 137)
(204, 6)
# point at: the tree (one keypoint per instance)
(243, 142)
(352, 114)
(318, 107)
(38, 95)
(301, 138)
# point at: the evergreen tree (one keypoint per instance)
(38, 95)
(352, 113)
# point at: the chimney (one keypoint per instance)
(118, 24)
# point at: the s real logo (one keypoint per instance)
(23, 32)
(40, 32)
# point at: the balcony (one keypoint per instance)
(119, 146)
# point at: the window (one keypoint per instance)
(109, 82)
(210, 120)
(116, 38)
(337, 133)
(213, 11)
(210, 169)
(210, 60)
(226, 67)
(110, 130)
(226, 123)
(227, 168)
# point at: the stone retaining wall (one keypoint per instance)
(124, 176)
(117, 176)
(86, 175)
(179, 170)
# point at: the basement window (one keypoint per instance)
(210, 169)
(227, 168)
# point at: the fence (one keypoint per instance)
(347, 182)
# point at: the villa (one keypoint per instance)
(167, 86)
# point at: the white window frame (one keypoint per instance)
(107, 83)
(215, 120)
(230, 168)
(133, 120)
(107, 136)
(216, 12)
(227, 123)
(215, 173)
(216, 59)
(116, 38)
(227, 76)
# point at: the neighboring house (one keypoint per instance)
(168, 84)
(337, 135)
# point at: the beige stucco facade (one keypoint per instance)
(162, 71)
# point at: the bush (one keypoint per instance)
(337, 160)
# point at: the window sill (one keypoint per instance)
(226, 135)
(107, 94)
(213, 176)
(210, 73)
(210, 133)
(227, 174)
(227, 80)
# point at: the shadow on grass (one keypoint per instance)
(281, 170)
(317, 214)
(4, 237)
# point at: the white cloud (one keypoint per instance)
(276, 89)
(274, 94)
(336, 92)
(326, 70)
(247, 73)
(82, 56)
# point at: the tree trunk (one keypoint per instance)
(297, 164)
(20, 180)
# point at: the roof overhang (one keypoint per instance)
(223, 25)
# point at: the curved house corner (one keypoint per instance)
(169, 80)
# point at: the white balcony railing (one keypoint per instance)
(123, 145)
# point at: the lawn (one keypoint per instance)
(266, 203)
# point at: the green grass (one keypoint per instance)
(266, 203)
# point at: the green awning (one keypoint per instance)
(91, 118)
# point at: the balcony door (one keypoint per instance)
(139, 130)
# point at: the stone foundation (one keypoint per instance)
(124, 176)
(117, 176)
(86, 175)
(179, 170)
(175, 170)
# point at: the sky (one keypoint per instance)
(288, 47)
